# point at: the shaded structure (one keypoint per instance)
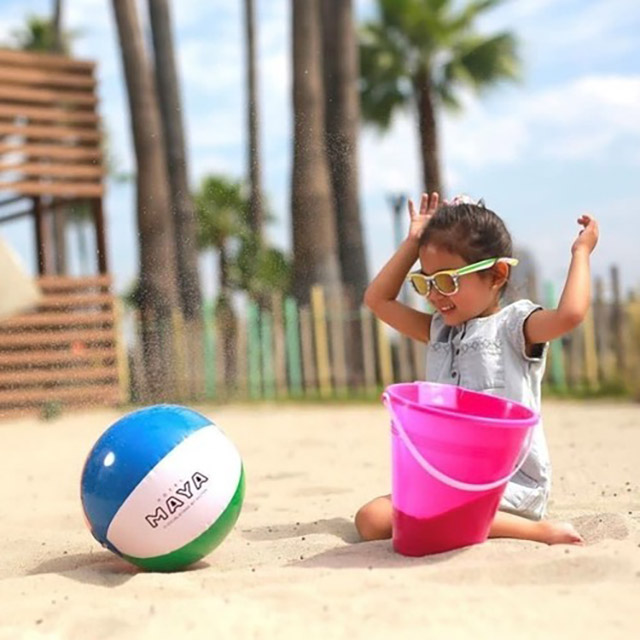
(65, 352)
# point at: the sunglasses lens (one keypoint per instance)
(420, 284)
(445, 283)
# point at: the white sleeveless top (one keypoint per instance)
(488, 354)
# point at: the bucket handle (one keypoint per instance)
(444, 478)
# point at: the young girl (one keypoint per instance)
(465, 254)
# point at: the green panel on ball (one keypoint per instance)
(203, 544)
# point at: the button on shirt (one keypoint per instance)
(488, 354)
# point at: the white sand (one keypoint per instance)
(290, 568)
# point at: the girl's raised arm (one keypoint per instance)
(381, 295)
(546, 325)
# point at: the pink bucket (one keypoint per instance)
(453, 452)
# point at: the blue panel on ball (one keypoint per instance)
(125, 454)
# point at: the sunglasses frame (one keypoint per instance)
(455, 274)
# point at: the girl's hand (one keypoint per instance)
(588, 237)
(421, 219)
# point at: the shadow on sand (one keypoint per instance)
(101, 568)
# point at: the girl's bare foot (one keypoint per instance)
(559, 533)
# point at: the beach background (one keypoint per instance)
(293, 567)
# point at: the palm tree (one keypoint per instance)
(256, 215)
(342, 121)
(221, 208)
(315, 253)
(158, 282)
(183, 209)
(244, 263)
(421, 54)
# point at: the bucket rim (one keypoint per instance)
(533, 419)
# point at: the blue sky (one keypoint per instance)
(564, 140)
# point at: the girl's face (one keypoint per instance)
(478, 293)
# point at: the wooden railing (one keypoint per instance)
(65, 353)
(49, 128)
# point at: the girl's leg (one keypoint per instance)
(508, 525)
(373, 520)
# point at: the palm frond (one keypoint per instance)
(383, 76)
(480, 61)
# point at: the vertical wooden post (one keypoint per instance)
(557, 358)
(404, 358)
(279, 345)
(602, 333)
(209, 333)
(141, 385)
(633, 323)
(576, 350)
(617, 322)
(293, 346)
(124, 375)
(308, 359)
(338, 356)
(177, 331)
(368, 350)
(384, 355)
(253, 327)
(268, 374)
(241, 355)
(590, 354)
(322, 344)
(41, 235)
(101, 236)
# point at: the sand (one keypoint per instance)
(292, 567)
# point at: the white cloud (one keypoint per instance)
(576, 120)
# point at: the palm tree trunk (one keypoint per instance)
(184, 215)
(59, 216)
(256, 214)
(429, 145)
(57, 26)
(342, 102)
(226, 321)
(158, 283)
(315, 253)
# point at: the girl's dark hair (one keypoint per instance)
(469, 230)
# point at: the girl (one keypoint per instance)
(465, 254)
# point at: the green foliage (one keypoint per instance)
(435, 40)
(39, 35)
(222, 208)
(261, 270)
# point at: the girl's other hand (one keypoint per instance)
(588, 237)
(420, 219)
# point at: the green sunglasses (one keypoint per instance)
(447, 282)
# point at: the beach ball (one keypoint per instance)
(162, 487)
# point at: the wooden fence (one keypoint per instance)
(71, 352)
(327, 350)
